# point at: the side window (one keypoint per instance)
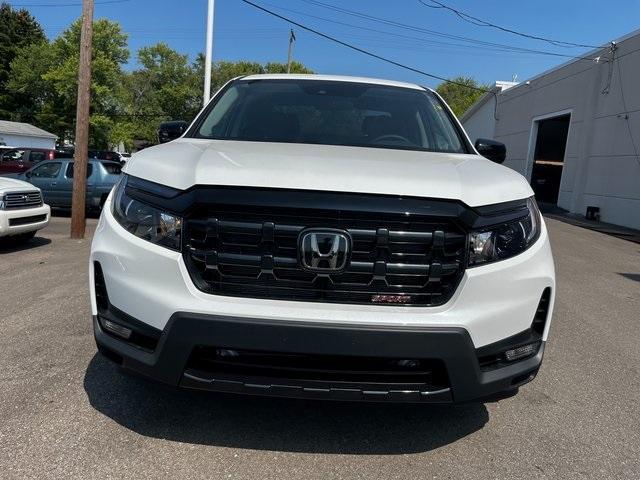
(48, 170)
(69, 173)
(112, 168)
(12, 155)
(37, 156)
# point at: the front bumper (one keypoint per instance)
(171, 362)
(15, 222)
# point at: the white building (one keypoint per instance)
(479, 120)
(16, 134)
(574, 131)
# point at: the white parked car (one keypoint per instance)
(22, 211)
(325, 237)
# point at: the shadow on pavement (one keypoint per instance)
(631, 276)
(7, 246)
(66, 213)
(263, 423)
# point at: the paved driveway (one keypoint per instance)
(65, 412)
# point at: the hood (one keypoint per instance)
(14, 185)
(186, 162)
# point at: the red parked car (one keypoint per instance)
(18, 160)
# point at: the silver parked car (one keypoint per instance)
(55, 179)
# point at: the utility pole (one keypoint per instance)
(292, 39)
(209, 52)
(78, 221)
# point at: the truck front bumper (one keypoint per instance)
(314, 361)
(16, 222)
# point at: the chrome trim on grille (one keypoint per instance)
(22, 200)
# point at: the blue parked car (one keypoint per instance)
(55, 179)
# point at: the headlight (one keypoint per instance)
(505, 241)
(145, 221)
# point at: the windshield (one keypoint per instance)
(331, 113)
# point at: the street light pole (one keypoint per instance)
(78, 220)
(209, 52)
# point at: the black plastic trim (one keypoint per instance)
(492, 356)
(185, 331)
(185, 201)
(143, 335)
(19, 221)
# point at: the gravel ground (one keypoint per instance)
(65, 412)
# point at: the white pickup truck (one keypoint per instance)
(22, 211)
(325, 237)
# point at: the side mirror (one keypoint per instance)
(494, 151)
(27, 174)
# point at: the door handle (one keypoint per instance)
(54, 183)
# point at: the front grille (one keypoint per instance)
(224, 363)
(14, 201)
(253, 252)
(14, 222)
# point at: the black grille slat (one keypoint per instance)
(336, 369)
(21, 200)
(254, 253)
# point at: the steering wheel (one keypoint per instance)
(392, 137)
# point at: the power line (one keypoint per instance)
(415, 28)
(483, 23)
(361, 50)
(379, 57)
(473, 43)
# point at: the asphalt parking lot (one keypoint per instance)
(66, 412)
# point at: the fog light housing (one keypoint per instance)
(521, 352)
(116, 329)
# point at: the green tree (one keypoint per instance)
(165, 82)
(296, 67)
(462, 94)
(28, 91)
(125, 106)
(18, 29)
(223, 71)
(109, 53)
(165, 87)
(46, 75)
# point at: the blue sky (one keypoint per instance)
(242, 32)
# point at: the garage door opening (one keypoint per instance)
(548, 158)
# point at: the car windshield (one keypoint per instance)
(331, 113)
